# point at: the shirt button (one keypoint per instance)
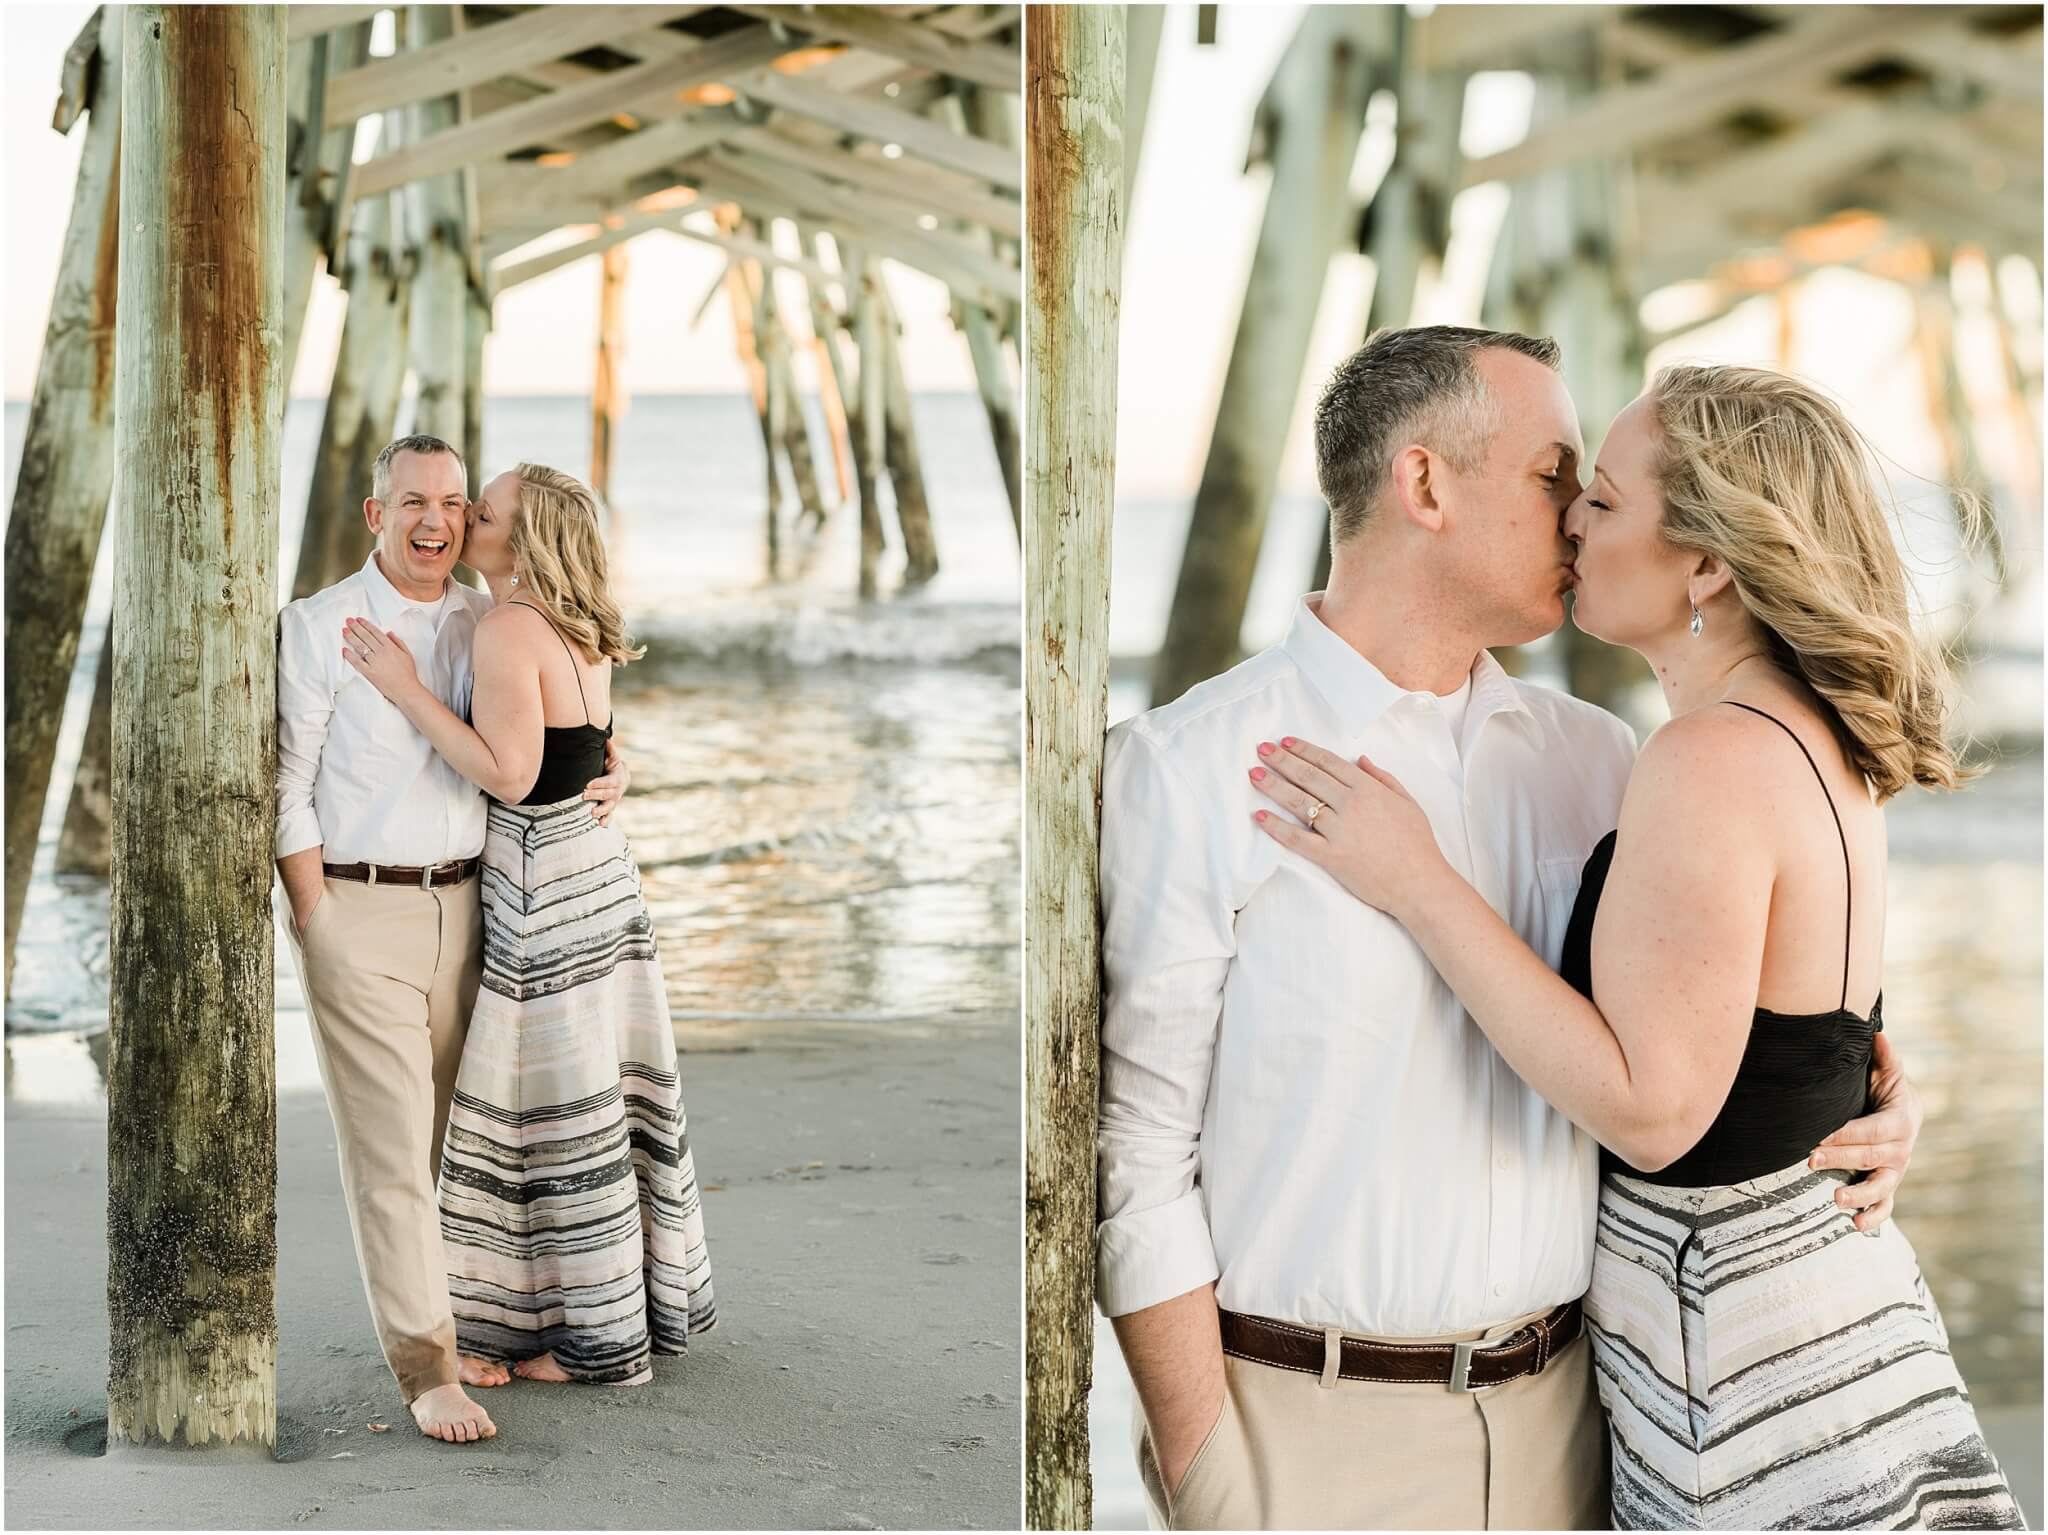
(1500, 1289)
(1501, 1163)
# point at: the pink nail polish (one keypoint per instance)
(1265, 748)
(1258, 775)
(1258, 815)
(1288, 742)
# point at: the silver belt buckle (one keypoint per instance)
(1461, 1366)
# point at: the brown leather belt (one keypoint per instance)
(1459, 1366)
(453, 872)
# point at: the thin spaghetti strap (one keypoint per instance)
(574, 670)
(1848, 878)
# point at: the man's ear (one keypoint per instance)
(1414, 477)
(373, 514)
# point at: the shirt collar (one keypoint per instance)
(1361, 692)
(387, 602)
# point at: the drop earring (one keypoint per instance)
(1698, 623)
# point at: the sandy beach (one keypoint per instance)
(862, 1204)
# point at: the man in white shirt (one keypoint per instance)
(1322, 1193)
(378, 841)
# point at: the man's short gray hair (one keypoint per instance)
(418, 442)
(1402, 386)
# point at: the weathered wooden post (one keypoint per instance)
(607, 390)
(872, 416)
(899, 449)
(992, 377)
(437, 227)
(476, 324)
(832, 399)
(1308, 125)
(67, 460)
(999, 399)
(318, 166)
(741, 298)
(826, 324)
(362, 400)
(191, 1086)
(788, 424)
(83, 846)
(1074, 86)
(1408, 223)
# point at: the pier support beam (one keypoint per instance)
(871, 419)
(437, 229)
(1308, 125)
(362, 402)
(899, 447)
(608, 386)
(67, 465)
(1072, 283)
(191, 1075)
(787, 422)
(317, 173)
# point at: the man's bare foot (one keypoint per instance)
(481, 1372)
(540, 1367)
(446, 1413)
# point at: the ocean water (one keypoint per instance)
(825, 797)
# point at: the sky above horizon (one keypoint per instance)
(545, 335)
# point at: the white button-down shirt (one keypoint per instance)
(1293, 1102)
(353, 775)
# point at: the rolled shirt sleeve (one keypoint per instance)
(1168, 939)
(305, 704)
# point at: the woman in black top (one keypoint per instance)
(569, 1204)
(1764, 1362)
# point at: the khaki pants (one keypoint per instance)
(1289, 1452)
(390, 975)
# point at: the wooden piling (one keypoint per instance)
(900, 452)
(1408, 223)
(827, 324)
(362, 402)
(437, 232)
(871, 418)
(67, 467)
(999, 400)
(608, 387)
(191, 1088)
(790, 427)
(1308, 124)
(1074, 62)
(741, 298)
(976, 321)
(85, 845)
(318, 165)
(476, 326)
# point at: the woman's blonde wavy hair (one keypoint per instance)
(558, 552)
(1766, 473)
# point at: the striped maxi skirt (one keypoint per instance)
(1764, 1365)
(569, 1208)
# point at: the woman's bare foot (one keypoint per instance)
(638, 1380)
(540, 1367)
(447, 1413)
(481, 1372)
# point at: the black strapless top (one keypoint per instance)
(1802, 1077)
(570, 756)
